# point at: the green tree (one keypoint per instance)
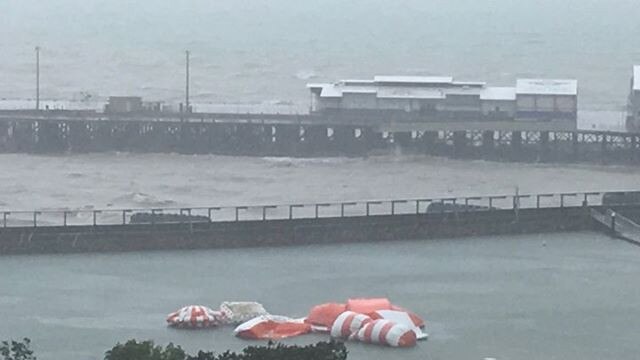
(17, 350)
(146, 350)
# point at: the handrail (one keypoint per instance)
(95, 217)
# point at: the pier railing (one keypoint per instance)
(190, 215)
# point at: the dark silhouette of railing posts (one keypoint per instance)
(361, 208)
(318, 206)
(264, 210)
(419, 202)
(291, 207)
(343, 205)
(238, 208)
(393, 205)
(562, 197)
(540, 196)
(369, 203)
(210, 212)
(35, 218)
(491, 198)
(124, 216)
(95, 217)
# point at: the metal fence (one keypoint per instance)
(295, 211)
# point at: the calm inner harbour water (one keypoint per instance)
(503, 297)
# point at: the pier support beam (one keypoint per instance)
(79, 137)
(544, 146)
(488, 143)
(24, 136)
(130, 137)
(516, 145)
(429, 142)
(575, 148)
(373, 139)
(250, 139)
(104, 136)
(194, 138)
(402, 139)
(218, 138)
(286, 139)
(343, 140)
(5, 136)
(604, 148)
(51, 137)
(316, 139)
(459, 143)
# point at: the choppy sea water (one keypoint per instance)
(264, 52)
(125, 180)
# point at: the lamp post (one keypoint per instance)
(187, 53)
(37, 77)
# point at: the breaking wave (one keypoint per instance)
(306, 74)
(142, 199)
(295, 162)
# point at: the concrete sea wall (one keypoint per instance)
(232, 234)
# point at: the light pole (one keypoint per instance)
(37, 77)
(188, 53)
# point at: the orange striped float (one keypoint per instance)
(348, 323)
(196, 316)
(386, 332)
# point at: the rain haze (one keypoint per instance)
(471, 166)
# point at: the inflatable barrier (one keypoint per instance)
(196, 316)
(271, 327)
(242, 311)
(386, 332)
(322, 316)
(366, 306)
(368, 320)
(348, 323)
(403, 318)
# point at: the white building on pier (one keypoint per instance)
(445, 98)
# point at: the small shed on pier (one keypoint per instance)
(123, 104)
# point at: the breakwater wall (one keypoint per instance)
(287, 232)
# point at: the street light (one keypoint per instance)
(37, 77)
(187, 53)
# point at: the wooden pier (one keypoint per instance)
(310, 135)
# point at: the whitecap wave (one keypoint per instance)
(293, 162)
(306, 75)
(142, 199)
